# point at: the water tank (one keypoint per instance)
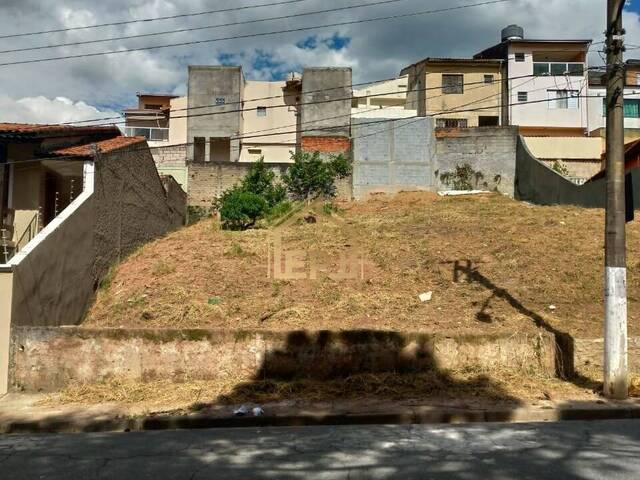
(512, 32)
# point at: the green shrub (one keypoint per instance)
(260, 180)
(560, 168)
(309, 177)
(240, 209)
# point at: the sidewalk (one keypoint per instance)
(21, 413)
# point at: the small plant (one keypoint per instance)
(329, 208)
(162, 268)
(310, 177)
(236, 250)
(560, 168)
(214, 301)
(195, 214)
(460, 178)
(240, 209)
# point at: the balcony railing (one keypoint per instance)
(541, 69)
(153, 134)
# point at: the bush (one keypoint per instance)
(560, 168)
(462, 177)
(241, 209)
(260, 180)
(309, 177)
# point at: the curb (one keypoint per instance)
(410, 416)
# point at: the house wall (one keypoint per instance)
(206, 84)
(597, 118)
(6, 293)
(281, 117)
(479, 95)
(178, 121)
(326, 98)
(392, 93)
(539, 114)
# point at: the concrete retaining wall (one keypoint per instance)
(48, 358)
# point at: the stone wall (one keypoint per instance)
(45, 359)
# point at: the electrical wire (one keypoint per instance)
(253, 35)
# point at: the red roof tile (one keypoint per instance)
(36, 129)
(105, 146)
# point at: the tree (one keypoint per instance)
(310, 177)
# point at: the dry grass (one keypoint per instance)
(526, 258)
(501, 385)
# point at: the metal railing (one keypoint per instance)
(29, 233)
(153, 134)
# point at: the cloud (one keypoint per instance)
(374, 50)
(45, 110)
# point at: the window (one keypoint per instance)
(451, 123)
(452, 83)
(261, 111)
(563, 99)
(523, 96)
(486, 121)
(558, 69)
(488, 79)
(255, 151)
(152, 106)
(220, 101)
(519, 57)
(631, 108)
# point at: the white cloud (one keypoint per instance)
(45, 110)
(376, 50)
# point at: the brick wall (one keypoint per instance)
(335, 144)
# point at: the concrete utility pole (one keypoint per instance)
(616, 378)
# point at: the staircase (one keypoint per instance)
(7, 245)
(10, 242)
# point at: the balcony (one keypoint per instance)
(548, 69)
(152, 134)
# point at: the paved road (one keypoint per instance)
(570, 450)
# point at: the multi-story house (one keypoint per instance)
(546, 83)
(232, 119)
(597, 102)
(458, 92)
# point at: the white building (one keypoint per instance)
(547, 83)
(598, 92)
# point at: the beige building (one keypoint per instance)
(389, 94)
(457, 92)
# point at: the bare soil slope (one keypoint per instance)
(493, 265)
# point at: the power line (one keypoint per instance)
(415, 118)
(253, 35)
(207, 27)
(153, 19)
(239, 110)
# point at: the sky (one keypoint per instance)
(98, 86)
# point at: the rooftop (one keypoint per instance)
(40, 130)
(104, 146)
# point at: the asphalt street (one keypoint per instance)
(567, 450)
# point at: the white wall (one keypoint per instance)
(539, 114)
(596, 113)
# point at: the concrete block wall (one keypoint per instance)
(394, 155)
(208, 181)
(490, 151)
(170, 156)
(326, 102)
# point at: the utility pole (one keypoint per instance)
(616, 376)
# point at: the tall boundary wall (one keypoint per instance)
(537, 183)
(408, 154)
(52, 281)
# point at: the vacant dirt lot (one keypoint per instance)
(491, 263)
